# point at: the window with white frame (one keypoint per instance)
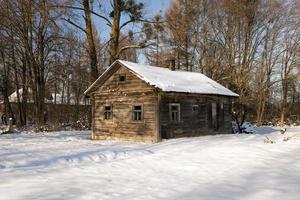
(174, 109)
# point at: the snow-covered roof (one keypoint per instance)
(13, 98)
(172, 81)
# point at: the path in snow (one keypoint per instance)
(67, 165)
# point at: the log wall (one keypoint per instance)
(122, 96)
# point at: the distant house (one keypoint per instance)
(145, 103)
(50, 98)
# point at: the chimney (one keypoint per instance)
(171, 64)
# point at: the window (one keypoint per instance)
(137, 114)
(108, 112)
(174, 112)
(122, 78)
(195, 108)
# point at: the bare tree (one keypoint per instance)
(268, 57)
(289, 63)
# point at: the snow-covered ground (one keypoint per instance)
(67, 165)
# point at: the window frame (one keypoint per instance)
(108, 111)
(133, 111)
(197, 108)
(170, 113)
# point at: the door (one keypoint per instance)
(214, 115)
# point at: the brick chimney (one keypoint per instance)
(170, 63)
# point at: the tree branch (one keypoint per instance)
(78, 8)
(126, 23)
(151, 22)
(140, 20)
(140, 46)
(72, 23)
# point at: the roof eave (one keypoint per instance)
(88, 91)
(233, 95)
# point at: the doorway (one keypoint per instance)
(214, 115)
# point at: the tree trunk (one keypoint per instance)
(91, 43)
(14, 65)
(68, 91)
(284, 103)
(24, 92)
(8, 109)
(260, 109)
(55, 92)
(115, 32)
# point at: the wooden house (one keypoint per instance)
(144, 103)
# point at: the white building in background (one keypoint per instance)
(57, 99)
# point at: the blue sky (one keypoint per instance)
(152, 7)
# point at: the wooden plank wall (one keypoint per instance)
(123, 96)
(194, 123)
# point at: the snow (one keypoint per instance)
(68, 165)
(173, 81)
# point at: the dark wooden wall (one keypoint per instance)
(194, 123)
(123, 96)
